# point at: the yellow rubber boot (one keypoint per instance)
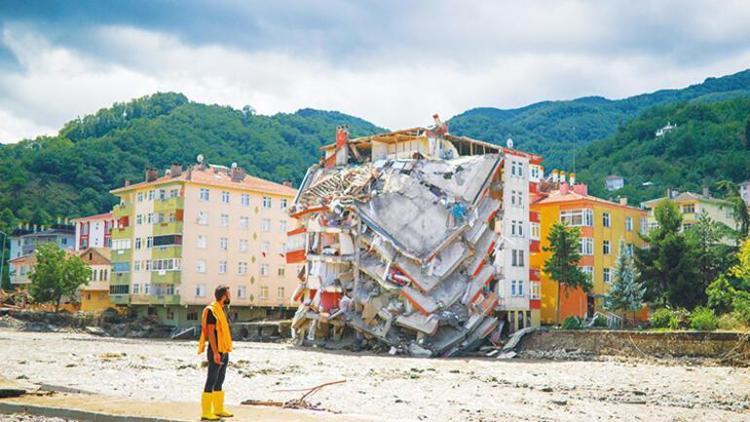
(218, 397)
(206, 404)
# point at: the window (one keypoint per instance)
(140, 196)
(200, 290)
(281, 272)
(200, 266)
(688, 209)
(516, 288)
(242, 268)
(535, 290)
(607, 275)
(146, 289)
(136, 265)
(244, 222)
(241, 292)
(225, 220)
(282, 226)
(263, 292)
(584, 217)
(243, 245)
(605, 247)
(119, 289)
(174, 193)
(265, 247)
(202, 218)
(136, 289)
(224, 243)
(629, 224)
(266, 202)
(517, 258)
(630, 249)
(150, 195)
(225, 197)
(606, 219)
(222, 267)
(202, 241)
(120, 244)
(586, 246)
(149, 242)
(280, 293)
(265, 225)
(264, 269)
(150, 218)
(245, 200)
(643, 225)
(516, 198)
(204, 195)
(192, 316)
(535, 231)
(137, 242)
(589, 271)
(139, 219)
(283, 203)
(147, 266)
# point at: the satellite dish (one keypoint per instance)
(234, 165)
(509, 143)
(199, 158)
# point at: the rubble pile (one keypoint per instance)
(14, 299)
(401, 251)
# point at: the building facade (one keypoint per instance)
(94, 296)
(692, 205)
(23, 243)
(604, 227)
(94, 231)
(179, 235)
(744, 188)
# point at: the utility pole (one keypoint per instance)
(2, 256)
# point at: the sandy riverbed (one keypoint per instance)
(384, 387)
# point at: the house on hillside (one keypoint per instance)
(614, 182)
(664, 130)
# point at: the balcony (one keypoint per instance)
(535, 246)
(120, 278)
(169, 204)
(122, 255)
(165, 299)
(122, 233)
(164, 252)
(535, 274)
(166, 277)
(119, 299)
(534, 216)
(122, 210)
(174, 227)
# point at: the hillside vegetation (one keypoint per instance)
(711, 143)
(555, 128)
(71, 174)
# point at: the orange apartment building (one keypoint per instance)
(603, 225)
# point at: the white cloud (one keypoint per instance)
(480, 55)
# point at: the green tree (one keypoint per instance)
(56, 274)
(667, 266)
(626, 293)
(562, 266)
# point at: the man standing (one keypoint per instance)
(215, 329)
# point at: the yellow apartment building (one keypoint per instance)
(95, 294)
(603, 225)
(180, 234)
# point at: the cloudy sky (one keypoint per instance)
(391, 62)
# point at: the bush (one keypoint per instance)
(742, 307)
(664, 318)
(730, 322)
(703, 319)
(600, 322)
(571, 323)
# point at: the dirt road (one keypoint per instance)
(384, 387)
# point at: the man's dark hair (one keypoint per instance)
(220, 291)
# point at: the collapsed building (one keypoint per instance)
(414, 238)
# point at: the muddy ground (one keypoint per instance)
(385, 387)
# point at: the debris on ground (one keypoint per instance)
(300, 403)
(401, 251)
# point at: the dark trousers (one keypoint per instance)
(215, 378)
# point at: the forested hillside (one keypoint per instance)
(71, 174)
(711, 142)
(555, 128)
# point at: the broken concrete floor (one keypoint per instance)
(390, 388)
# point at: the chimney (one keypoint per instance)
(581, 189)
(555, 176)
(175, 169)
(127, 182)
(564, 188)
(151, 174)
(342, 139)
(706, 192)
(623, 200)
(287, 183)
(237, 173)
(572, 178)
(562, 176)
